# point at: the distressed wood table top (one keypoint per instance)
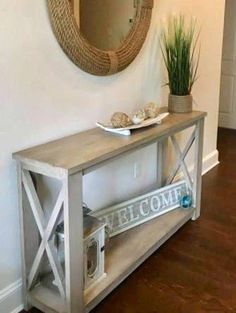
(80, 151)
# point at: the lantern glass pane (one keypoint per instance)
(92, 255)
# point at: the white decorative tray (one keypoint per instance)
(126, 131)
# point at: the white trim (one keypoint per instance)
(18, 309)
(11, 298)
(210, 161)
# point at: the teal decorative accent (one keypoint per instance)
(186, 201)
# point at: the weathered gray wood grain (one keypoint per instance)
(83, 150)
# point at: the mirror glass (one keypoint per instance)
(105, 23)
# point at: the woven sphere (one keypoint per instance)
(152, 110)
(139, 117)
(120, 119)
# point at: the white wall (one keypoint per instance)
(44, 96)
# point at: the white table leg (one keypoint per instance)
(73, 219)
(197, 174)
(162, 147)
(29, 235)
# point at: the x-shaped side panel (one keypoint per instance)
(180, 163)
(46, 231)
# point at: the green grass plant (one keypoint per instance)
(181, 55)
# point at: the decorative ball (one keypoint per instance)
(151, 110)
(120, 119)
(186, 202)
(139, 117)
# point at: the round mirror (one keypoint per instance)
(101, 36)
(104, 23)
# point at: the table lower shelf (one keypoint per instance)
(124, 254)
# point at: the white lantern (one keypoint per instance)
(94, 249)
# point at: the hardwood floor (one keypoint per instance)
(195, 271)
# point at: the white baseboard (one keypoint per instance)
(11, 298)
(210, 161)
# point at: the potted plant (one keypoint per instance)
(178, 46)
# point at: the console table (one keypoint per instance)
(66, 160)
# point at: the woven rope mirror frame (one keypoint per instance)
(86, 56)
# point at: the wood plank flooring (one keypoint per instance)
(195, 271)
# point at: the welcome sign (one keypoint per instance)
(126, 215)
